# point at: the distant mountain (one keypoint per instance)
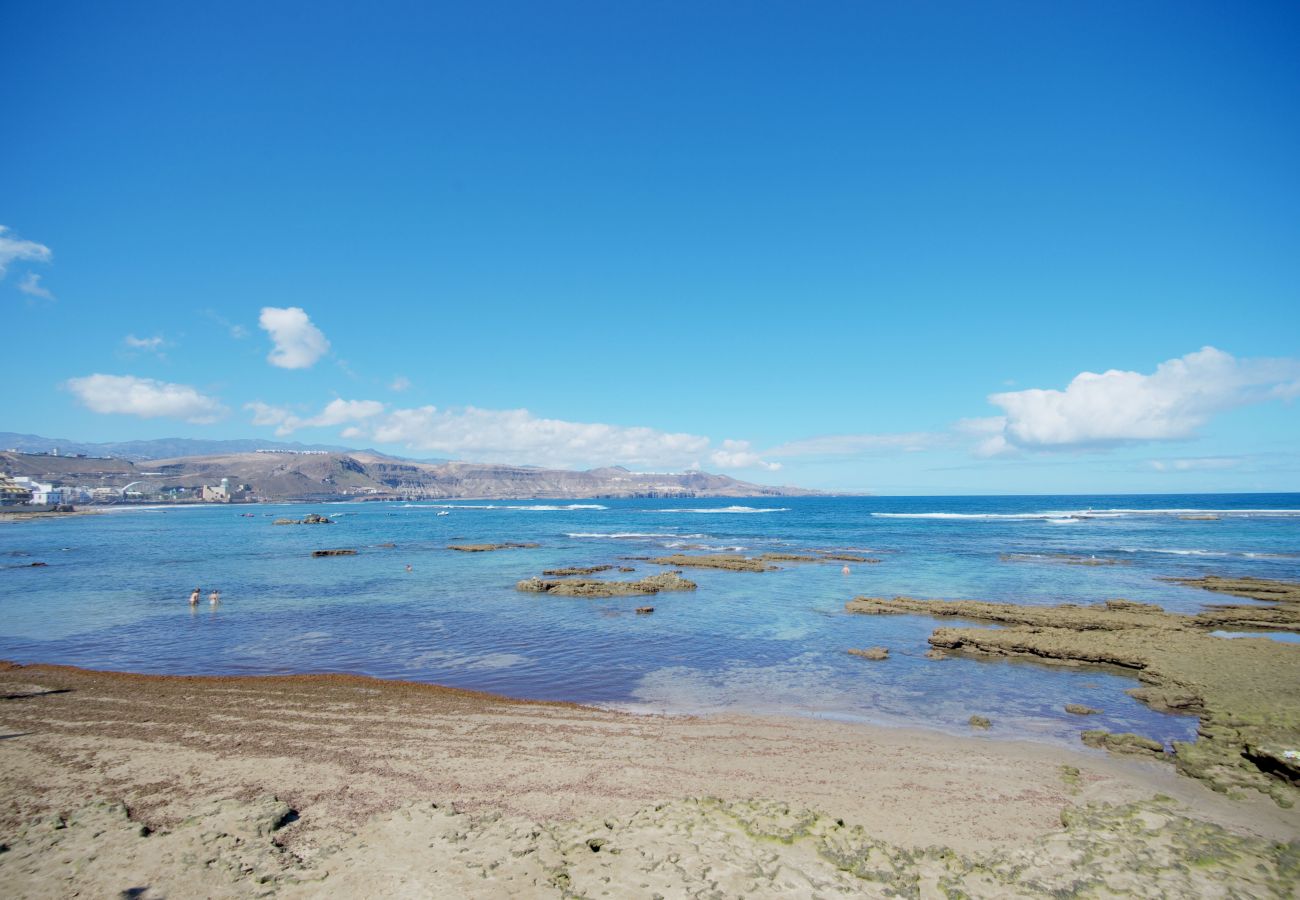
(163, 448)
(364, 474)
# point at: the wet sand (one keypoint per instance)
(349, 759)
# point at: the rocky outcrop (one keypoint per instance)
(1246, 691)
(871, 652)
(577, 570)
(334, 553)
(847, 557)
(1283, 611)
(488, 548)
(1078, 709)
(590, 587)
(1125, 743)
(309, 519)
(727, 561)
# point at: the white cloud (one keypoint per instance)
(1196, 464)
(336, 412)
(513, 436)
(149, 344)
(31, 286)
(298, 343)
(400, 383)
(12, 248)
(739, 455)
(1117, 407)
(844, 445)
(145, 397)
(516, 435)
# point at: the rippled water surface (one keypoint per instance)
(114, 595)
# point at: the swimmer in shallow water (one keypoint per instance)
(215, 597)
(844, 571)
(408, 568)
(194, 596)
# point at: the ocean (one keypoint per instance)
(114, 593)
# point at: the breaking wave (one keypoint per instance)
(634, 535)
(534, 507)
(1083, 515)
(728, 509)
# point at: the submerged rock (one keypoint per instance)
(979, 722)
(487, 548)
(644, 610)
(727, 561)
(591, 587)
(1078, 709)
(1246, 691)
(871, 653)
(1069, 559)
(334, 553)
(847, 557)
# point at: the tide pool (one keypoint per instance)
(114, 596)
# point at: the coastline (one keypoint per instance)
(343, 752)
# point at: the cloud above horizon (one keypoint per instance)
(13, 249)
(298, 343)
(32, 287)
(145, 398)
(1098, 411)
(513, 436)
(336, 412)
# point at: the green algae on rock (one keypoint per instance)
(593, 587)
(1124, 742)
(1246, 691)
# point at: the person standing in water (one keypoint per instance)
(194, 596)
(215, 597)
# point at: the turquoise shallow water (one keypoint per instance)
(114, 593)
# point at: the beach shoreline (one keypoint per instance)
(344, 751)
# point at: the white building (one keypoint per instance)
(41, 493)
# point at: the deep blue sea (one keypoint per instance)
(114, 596)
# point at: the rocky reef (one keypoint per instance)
(729, 561)
(686, 848)
(593, 587)
(871, 652)
(1068, 559)
(1246, 691)
(488, 548)
(577, 570)
(309, 519)
(340, 552)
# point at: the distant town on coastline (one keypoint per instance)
(63, 474)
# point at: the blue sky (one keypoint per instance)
(732, 235)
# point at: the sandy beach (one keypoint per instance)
(307, 785)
